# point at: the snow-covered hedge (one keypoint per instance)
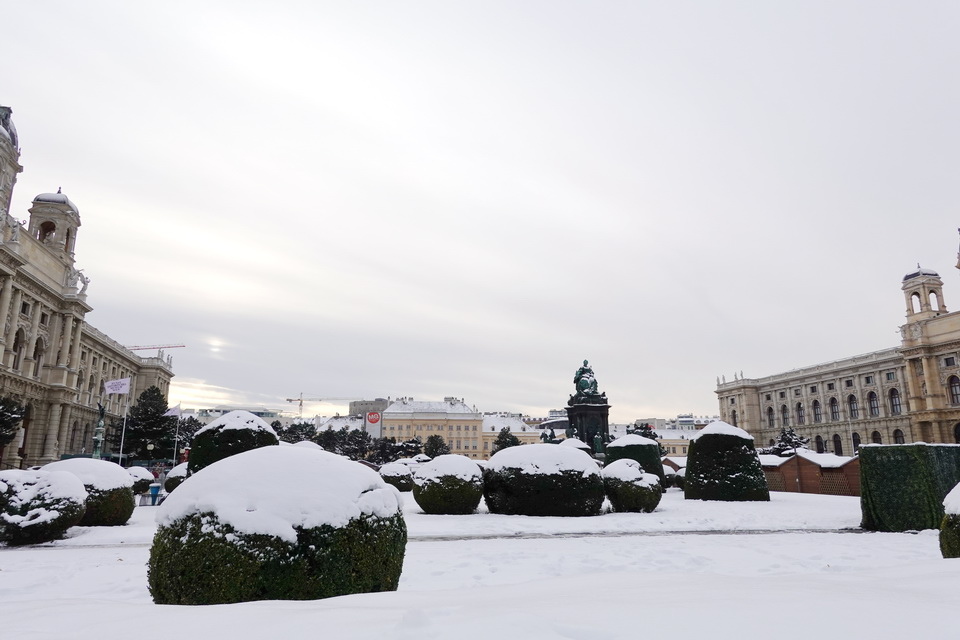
(448, 484)
(722, 464)
(543, 480)
(110, 500)
(142, 479)
(629, 488)
(174, 477)
(397, 474)
(643, 450)
(39, 506)
(277, 523)
(228, 435)
(950, 526)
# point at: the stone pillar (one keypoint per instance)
(53, 427)
(932, 396)
(5, 296)
(56, 327)
(66, 338)
(37, 310)
(64, 429)
(12, 329)
(75, 347)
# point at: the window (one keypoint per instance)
(950, 362)
(898, 437)
(817, 412)
(785, 415)
(868, 379)
(856, 442)
(837, 444)
(25, 308)
(819, 442)
(733, 417)
(830, 386)
(894, 402)
(891, 375)
(767, 397)
(44, 319)
(873, 402)
(876, 438)
(801, 416)
(813, 389)
(771, 419)
(853, 406)
(834, 409)
(783, 394)
(848, 383)
(954, 384)
(796, 392)
(733, 401)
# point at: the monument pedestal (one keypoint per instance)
(589, 421)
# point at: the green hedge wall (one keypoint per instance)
(216, 444)
(902, 486)
(724, 467)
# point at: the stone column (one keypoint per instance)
(64, 429)
(932, 395)
(5, 296)
(53, 427)
(75, 350)
(12, 329)
(67, 335)
(56, 326)
(37, 310)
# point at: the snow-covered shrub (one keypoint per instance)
(277, 523)
(448, 484)
(950, 526)
(228, 435)
(577, 444)
(398, 474)
(903, 486)
(629, 488)
(142, 479)
(722, 464)
(543, 480)
(110, 501)
(669, 477)
(643, 450)
(679, 478)
(39, 506)
(174, 477)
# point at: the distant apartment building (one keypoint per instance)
(458, 424)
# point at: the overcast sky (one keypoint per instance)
(429, 199)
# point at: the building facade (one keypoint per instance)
(52, 361)
(907, 393)
(460, 425)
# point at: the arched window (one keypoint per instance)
(895, 408)
(785, 415)
(834, 409)
(856, 442)
(853, 406)
(817, 412)
(733, 417)
(801, 415)
(873, 402)
(953, 383)
(819, 442)
(898, 437)
(47, 231)
(876, 437)
(934, 301)
(915, 302)
(837, 444)
(771, 418)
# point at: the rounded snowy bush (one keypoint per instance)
(678, 478)
(629, 488)
(643, 450)
(174, 477)
(722, 464)
(39, 506)
(576, 443)
(950, 527)
(543, 480)
(451, 484)
(142, 479)
(398, 474)
(277, 523)
(110, 501)
(228, 435)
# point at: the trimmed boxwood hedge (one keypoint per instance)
(648, 455)
(109, 508)
(950, 536)
(722, 466)
(398, 475)
(450, 484)
(629, 488)
(902, 486)
(199, 560)
(38, 506)
(222, 438)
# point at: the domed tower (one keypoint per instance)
(9, 159)
(923, 291)
(54, 221)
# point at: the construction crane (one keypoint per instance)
(300, 400)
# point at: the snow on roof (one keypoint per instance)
(628, 470)
(237, 420)
(406, 406)
(770, 460)
(680, 461)
(338, 422)
(98, 474)
(544, 459)
(722, 428)
(497, 423)
(631, 440)
(447, 465)
(58, 198)
(826, 460)
(276, 490)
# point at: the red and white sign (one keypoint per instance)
(373, 417)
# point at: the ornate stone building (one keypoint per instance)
(907, 393)
(50, 358)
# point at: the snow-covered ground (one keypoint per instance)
(784, 569)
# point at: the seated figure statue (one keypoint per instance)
(585, 381)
